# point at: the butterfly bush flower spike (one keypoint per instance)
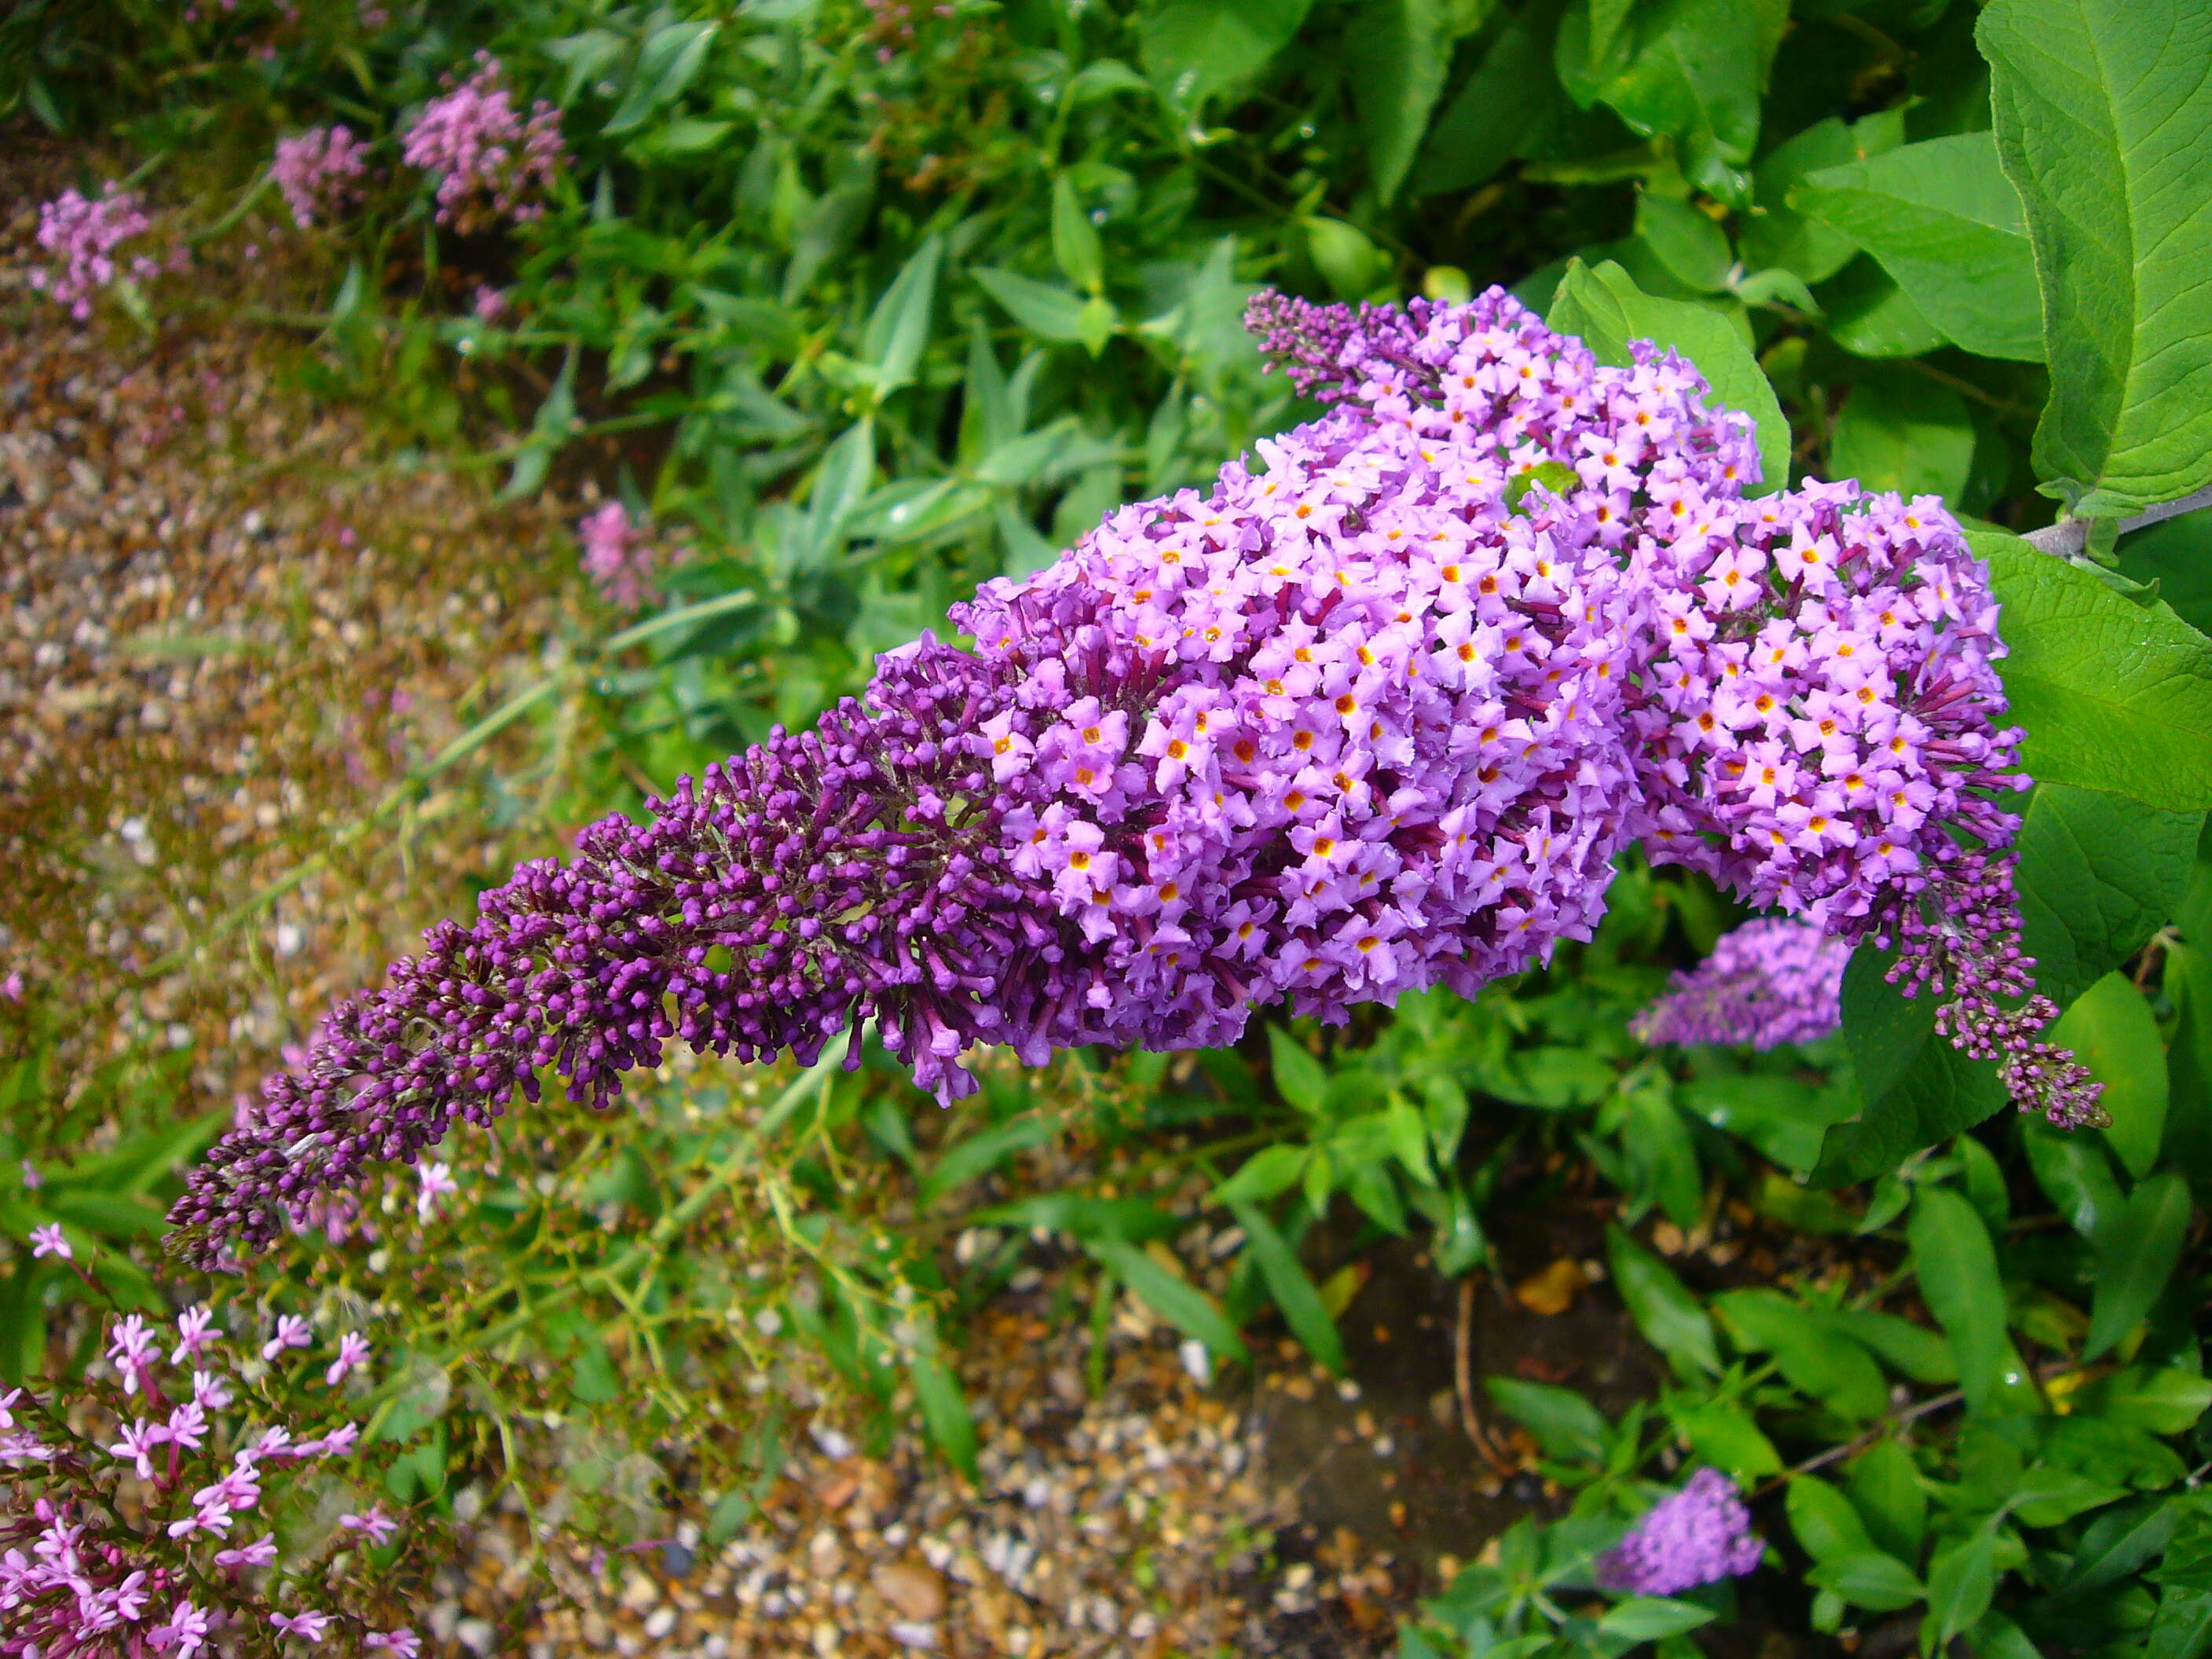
(1378, 711)
(1770, 982)
(1699, 1535)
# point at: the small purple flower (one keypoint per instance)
(195, 1334)
(11, 988)
(493, 166)
(401, 1644)
(1771, 981)
(490, 305)
(48, 1241)
(1699, 1535)
(307, 1625)
(617, 557)
(85, 235)
(353, 1350)
(380, 1527)
(291, 1332)
(133, 1350)
(437, 1183)
(319, 172)
(259, 1553)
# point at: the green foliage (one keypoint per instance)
(2102, 122)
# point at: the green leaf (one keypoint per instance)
(1268, 1173)
(1050, 313)
(1298, 1076)
(2118, 1542)
(1345, 255)
(1075, 241)
(1774, 234)
(981, 1153)
(1957, 1272)
(1485, 124)
(1566, 1426)
(1694, 249)
(1397, 58)
(1662, 1306)
(1721, 1433)
(1878, 1583)
(1193, 49)
(2136, 1258)
(2177, 555)
(1293, 1292)
(672, 55)
(1908, 1349)
(2182, 1629)
(2103, 121)
(1690, 71)
(1946, 223)
(1885, 1489)
(944, 1412)
(1653, 1618)
(1917, 1089)
(2115, 696)
(1608, 310)
(899, 328)
(1901, 430)
(1837, 1375)
(2165, 1401)
(2075, 1173)
(1826, 1524)
(1176, 1299)
(1868, 315)
(1081, 1216)
(2111, 1030)
(1961, 1581)
(2099, 875)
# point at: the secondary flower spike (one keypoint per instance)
(1771, 981)
(1698, 1535)
(1363, 719)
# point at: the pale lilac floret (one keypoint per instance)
(319, 172)
(493, 166)
(50, 1240)
(1770, 982)
(291, 1331)
(353, 1351)
(1699, 1535)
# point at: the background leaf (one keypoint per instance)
(2099, 875)
(2111, 1030)
(1946, 224)
(1399, 53)
(2115, 696)
(2104, 119)
(1193, 49)
(1958, 1271)
(1901, 430)
(2135, 1258)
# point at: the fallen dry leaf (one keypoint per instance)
(1552, 1290)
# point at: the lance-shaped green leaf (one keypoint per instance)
(2110, 1030)
(2104, 119)
(1193, 49)
(1946, 223)
(2135, 1258)
(1398, 56)
(899, 327)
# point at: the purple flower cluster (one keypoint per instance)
(84, 236)
(1770, 982)
(319, 172)
(617, 557)
(125, 1523)
(495, 165)
(1699, 1535)
(1376, 715)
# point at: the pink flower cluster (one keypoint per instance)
(126, 1521)
(84, 235)
(494, 166)
(319, 172)
(1698, 1535)
(1770, 982)
(618, 556)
